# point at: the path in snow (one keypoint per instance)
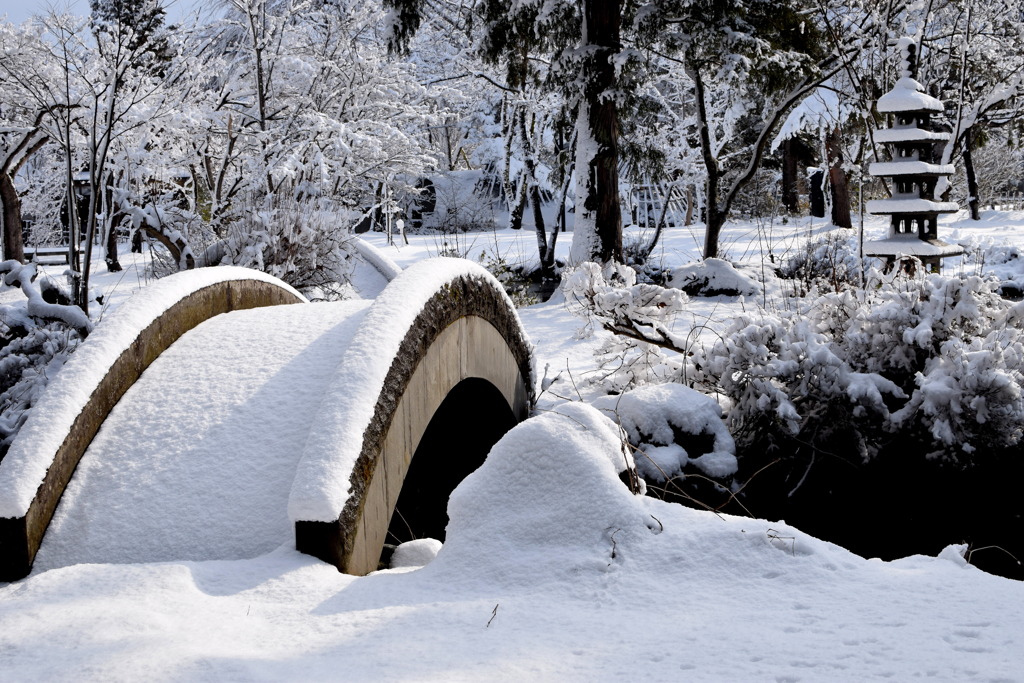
(197, 460)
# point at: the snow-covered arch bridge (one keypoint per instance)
(207, 420)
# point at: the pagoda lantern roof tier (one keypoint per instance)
(907, 97)
(911, 245)
(909, 167)
(887, 207)
(888, 135)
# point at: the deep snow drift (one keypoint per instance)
(551, 569)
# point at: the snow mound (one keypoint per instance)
(546, 504)
(713, 277)
(662, 420)
(416, 553)
(547, 510)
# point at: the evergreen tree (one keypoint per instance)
(581, 41)
(749, 62)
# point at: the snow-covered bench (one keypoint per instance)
(51, 254)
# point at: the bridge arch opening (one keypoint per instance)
(471, 419)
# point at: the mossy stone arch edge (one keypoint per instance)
(464, 307)
(21, 537)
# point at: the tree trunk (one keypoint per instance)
(10, 202)
(837, 180)
(110, 219)
(790, 169)
(546, 254)
(515, 216)
(973, 196)
(714, 215)
(713, 222)
(597, 235)
(113, 264)
(14, 248)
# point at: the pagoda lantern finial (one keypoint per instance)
(908, 57)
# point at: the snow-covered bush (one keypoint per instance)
(826, 264)
(29, 356)
(640, 315)
(637, 253)
(303, 245)
(36, 337)
(515, 279)
(611, 294)
(934, 363)
(1002, 261)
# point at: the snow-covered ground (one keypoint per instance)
(551, 570)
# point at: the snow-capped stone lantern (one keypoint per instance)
(911, 141)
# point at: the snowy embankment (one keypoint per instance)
(552, 570)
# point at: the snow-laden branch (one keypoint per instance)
(24, 276)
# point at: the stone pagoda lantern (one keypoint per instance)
(912, 142)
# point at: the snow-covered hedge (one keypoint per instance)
(934, 362)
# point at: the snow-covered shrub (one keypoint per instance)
(29, 357)
(827, 264)
(1002, 261)
(513, 278)
(305, 246)
(637, 253)
(934, 362)
(713, 277)
(36, 337)
(611, 294)
(672, 429)
(639, 314)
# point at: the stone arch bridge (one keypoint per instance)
(219, 415)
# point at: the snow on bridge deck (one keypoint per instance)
(197, 460)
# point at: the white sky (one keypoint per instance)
(18, 11)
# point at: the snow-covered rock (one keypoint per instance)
(713, 277)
